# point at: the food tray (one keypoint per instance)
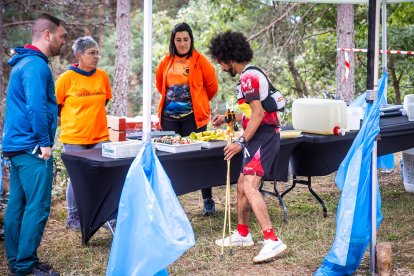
(176, 148)
(285, 134)
(215, 144)
(121, 149)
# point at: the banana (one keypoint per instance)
(209, 135)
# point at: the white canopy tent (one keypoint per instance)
(147, 71)
(147, 77)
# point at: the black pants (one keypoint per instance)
(184, 127)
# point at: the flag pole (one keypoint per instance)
(384, 36)
(147, 71)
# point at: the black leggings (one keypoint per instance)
(184, 127)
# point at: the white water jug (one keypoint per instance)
(320, 116)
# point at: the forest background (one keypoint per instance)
(295, 43)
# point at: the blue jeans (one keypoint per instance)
(27, 210)
(70, 195)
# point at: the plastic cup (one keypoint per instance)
(354, 117)
(410, 111)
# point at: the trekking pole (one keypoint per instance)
(230, 118)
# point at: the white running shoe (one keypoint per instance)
(269, 250)
(236, 240)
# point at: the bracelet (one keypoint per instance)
(240, 144)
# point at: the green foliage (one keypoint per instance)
(308, 35)
(60, 179)
(401, 14)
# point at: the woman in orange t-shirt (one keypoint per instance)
(187, 82)
(82, 93)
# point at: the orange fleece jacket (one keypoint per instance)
(203, 85)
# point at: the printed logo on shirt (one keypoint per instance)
(87, 93)
(250, 86)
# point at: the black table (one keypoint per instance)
(97, 181)
(320, 155)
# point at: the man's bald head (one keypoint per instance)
(43, 23)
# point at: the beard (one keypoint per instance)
(231, 71)
(55, 48)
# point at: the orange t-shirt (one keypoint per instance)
(178, 103)
(179, 71)
(83, 113)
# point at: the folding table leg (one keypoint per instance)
(325, 210)
(290, 188)
(281, 202)
(110, 227)
(309, 184)
(276, 194)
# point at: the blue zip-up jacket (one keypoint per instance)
(31, 109)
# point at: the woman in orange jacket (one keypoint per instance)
(187, 82)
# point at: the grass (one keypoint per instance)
(308, 235)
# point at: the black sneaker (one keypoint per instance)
(11, 272)
(43, 267)
(209, 207)
(41, 271)
(73, 223)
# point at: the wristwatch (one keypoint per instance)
(242, 141)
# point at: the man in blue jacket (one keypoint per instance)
(29, 132)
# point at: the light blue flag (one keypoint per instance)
(152, 230)
(354, 178)
(385, 161)
(1, 175)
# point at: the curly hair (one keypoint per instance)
(230, 46)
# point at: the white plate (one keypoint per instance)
(178, 147)
(215, 144)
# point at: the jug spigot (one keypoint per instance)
(337, 130)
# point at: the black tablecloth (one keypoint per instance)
(97, 181)
(320, 155)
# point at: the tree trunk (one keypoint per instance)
(395, 80)
(345, 82)
(119, 105)
(302, 90)
(2, 93)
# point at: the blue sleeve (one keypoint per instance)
(35, 78)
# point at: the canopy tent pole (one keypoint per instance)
(147, 71)
(372, 94)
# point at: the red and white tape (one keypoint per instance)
(387, 51)
(347, 66)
